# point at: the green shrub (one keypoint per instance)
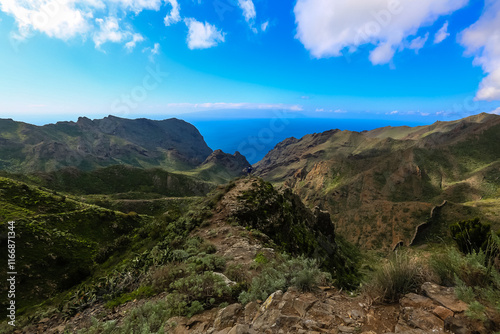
(162, 277)
(236, 273)
(207, 262)
(402, 274)
(142, 292)
(470, 268)
(260, 258)
(307, 279)
(473, 236)
(282, 273)
(202, 287)
(463, 291)
(446, 265)
(476, 311)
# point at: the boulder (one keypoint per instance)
(414, 300)
(442, 312)
(419, 318)
(228, 316)
(444, 296)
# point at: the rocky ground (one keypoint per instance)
(327, 310)
(436, 310)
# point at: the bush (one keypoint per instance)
(162, 277)
(207, 262)
(202, 287)
(451, 265)
(472, 236)
(236, 273)
(147, 318)
(142, 292)
(402, 274)
(282, 273)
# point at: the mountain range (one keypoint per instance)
(383, 188)
(381, 185)
(87, 144)
(113, 212)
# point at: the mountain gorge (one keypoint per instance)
(380, 185)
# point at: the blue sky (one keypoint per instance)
(352, 59)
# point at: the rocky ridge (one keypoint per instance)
(90, 144)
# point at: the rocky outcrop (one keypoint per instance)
(231, 164)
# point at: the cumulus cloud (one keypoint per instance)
(203, 35)
(441, 34)
(328, 28)
(66, 19)
(418, 43)
(109, 31)
(482, 40)
(496, 111)
(174, 16)
(55, 18)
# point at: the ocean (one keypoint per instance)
(255, 137)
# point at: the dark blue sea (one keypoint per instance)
(255, 137)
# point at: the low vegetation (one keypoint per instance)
(471, 266)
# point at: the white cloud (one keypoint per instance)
(231, 105)
(67, 19)
(395, 112)
(496, 111)
(336, 111)
(55, 18)
(418, 43)
(155, 51)
(203, 35)
(174, 16)
(248, 8)
(328, 28)
(135, 5)
(264, 26)
(482, 40)
(110, 31)
(441, 34)
(136, 38)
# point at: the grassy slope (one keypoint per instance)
(57, 238)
